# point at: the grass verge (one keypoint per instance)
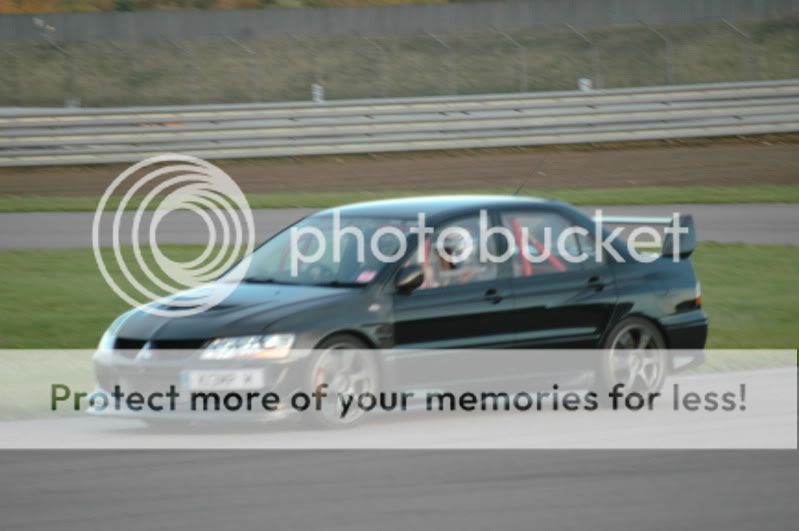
(283, 68)
(644, 195)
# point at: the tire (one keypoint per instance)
(344, 363)
(634, 355)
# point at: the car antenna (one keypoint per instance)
(527, 179)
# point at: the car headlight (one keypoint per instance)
(270, 347)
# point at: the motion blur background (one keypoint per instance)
(124, 53)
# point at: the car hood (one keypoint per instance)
(248, 310)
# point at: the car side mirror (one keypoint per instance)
(409, 278)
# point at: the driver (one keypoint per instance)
(444, 271)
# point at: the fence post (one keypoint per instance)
(669, 52)
(250, 66)
(522, 59)
(70, 96)
(315, 64)
(14, 78)
(129, 62)
(384, 83)
(750, 61)
(594, 56)
(453, 67)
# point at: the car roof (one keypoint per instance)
(435, 206)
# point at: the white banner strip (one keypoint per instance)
(444, 399)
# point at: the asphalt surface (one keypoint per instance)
(748, 223)
(398, 489)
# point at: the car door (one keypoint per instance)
(464, 307)
(562, 296)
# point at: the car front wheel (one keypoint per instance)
(348, 367)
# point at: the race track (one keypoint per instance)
(747, 223)
(396, 489)
(399, 490)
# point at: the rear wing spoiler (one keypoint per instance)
(680, 225)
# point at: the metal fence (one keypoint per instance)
(392, 20)
(96, 136)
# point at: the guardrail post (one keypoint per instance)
(594, 56)
(669, 51)
(251, 68)
(383, 81)
(315, 64)
(452, 60)
(750, 52)
(522, 59)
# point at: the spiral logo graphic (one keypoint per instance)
(151, 280)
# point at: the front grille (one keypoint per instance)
(123, 343)
(177, 344)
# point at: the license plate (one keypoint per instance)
(223, 380)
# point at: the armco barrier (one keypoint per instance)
(31, 137)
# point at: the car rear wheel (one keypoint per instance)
(634, 354)
(348, 367)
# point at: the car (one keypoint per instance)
(290, 320)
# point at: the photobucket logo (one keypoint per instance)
(489, 243)
(184, 186)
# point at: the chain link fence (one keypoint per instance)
(227, 70)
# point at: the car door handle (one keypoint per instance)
(596, 283)
(493, 296)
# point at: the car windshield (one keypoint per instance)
(327, 250)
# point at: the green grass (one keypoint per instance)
(57, 299)
(644, 195)
(157, 73)
(750, 294)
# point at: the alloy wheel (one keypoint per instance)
(636, 358)
(347, 371)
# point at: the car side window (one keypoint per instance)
(451, 255)
(546, 243)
